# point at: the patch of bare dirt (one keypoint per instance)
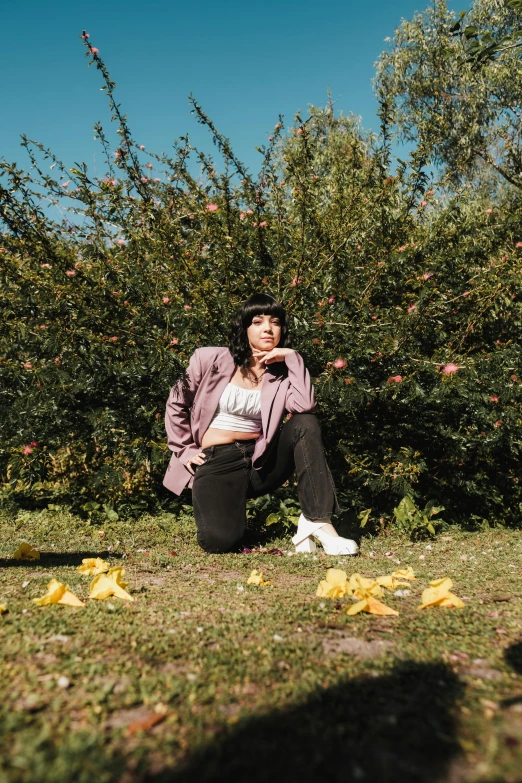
(245, 689)
(290, 579)
(230, 576)
(230, 710)
(45, 658)
(173, 667)
(351, 645)
(150, 581)
(480, 669)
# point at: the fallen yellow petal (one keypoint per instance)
(3, 608)
(372, 606)
(256, 578)
(93, 566)
(55, 591)
(326, 590)
(452, 601)
(336, 576)
(404, 573)
(363, 587)
(386, 581)
(69, 599)
(358, 581)
(335, 584)
(360, 606)
(105, 585)
(58, 593)
(438, 594)
(444, 583)
(391, 582)
(116, 573)
(26, 552)
(376, 607)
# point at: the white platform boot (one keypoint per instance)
(332, 545)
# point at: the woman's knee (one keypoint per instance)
(306, 422)
(218, 542)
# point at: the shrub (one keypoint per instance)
(403, 300)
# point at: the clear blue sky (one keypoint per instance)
(245, 63)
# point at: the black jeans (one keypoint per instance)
(225, 481)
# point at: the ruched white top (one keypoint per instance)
(238, 410)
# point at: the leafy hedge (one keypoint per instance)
(404, 299)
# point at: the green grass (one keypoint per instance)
(256, 683)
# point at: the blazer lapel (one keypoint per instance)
(219, 375)
(269, 389)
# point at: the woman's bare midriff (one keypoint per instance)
(214, 437)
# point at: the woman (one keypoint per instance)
(224, 424)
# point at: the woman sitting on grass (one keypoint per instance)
(224, 423)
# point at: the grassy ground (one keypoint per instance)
(206, 678)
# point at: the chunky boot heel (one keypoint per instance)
(306, 545)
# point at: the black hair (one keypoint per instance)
(258, 304)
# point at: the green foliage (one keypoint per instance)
(454, 87)
(403, 297)
(280, 509)
(484, 45)
(410, 520)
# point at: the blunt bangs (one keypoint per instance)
(267, 306)
(258, 304)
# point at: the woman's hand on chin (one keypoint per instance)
(275, 355)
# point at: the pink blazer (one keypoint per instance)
(286, 388)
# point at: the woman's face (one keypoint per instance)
(264, 333)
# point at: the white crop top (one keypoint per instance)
(238, 410)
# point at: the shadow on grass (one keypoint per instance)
(55, 559)
(513, 657)
(384, 729)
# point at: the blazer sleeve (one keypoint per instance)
(177, 413)
(300, 396)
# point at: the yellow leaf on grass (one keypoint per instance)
(105, 585)
(55, 591)
(26, 552)
(452, 601)
(391, 582)
(404, 573)
(117, 573)
(69, 599)
(58, 593)
(256, 578)
(364, 587)
(372, 606)
(91, 566)
(438, 594)
(335, 584)
(3, 608)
